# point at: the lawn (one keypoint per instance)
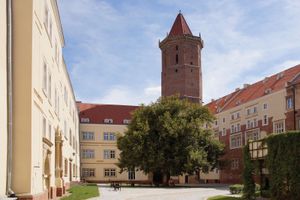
(80, 192)
(224, 198)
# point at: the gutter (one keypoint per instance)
(9, 191)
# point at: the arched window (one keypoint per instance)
(176, 58)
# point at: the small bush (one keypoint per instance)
(236, 189)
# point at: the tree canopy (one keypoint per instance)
(169, 137)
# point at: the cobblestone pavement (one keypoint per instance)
(149, 193)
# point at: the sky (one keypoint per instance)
(112, 54)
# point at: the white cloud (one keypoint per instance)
(113, 55)
(125, 95)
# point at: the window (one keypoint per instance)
(49, 131)
(109, 136)
(265, 106)
(253, 135)
(224, 132)
(232, 129)
(216, 122)
(45, 77)
(88, 136)
(70, 137)
(44, 127)
(232, 117)
(109, 154)
(289, 103)
(252, 123)
(255, 110)
(224, 120)
(252, 110)
(88, 172)
(46, 17)
(85, 120)
(49, 86)
(65, 128)
(50, 30)
(176, 58)
(235, 141)
(278, 127)
(176, 47)
(66, 167)
(265, 120)
(234, 164)
(109, 172)
(126, 121)
(88, 153)
(108, 121)
(131, 175)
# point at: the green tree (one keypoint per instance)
(249, 184)
(168, 138)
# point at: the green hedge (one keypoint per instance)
(283, 163)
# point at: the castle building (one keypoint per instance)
(100, 125)
(269, 106)
(181, 62)
(39, 138)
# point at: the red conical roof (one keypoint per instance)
(180, 27)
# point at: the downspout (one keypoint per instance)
(294, 106)
(9, 190)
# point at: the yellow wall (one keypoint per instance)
(99, 144)
(3, 103)
(34, 46)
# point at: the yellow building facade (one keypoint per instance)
(3, 98)
(45, 124)
(100, 125)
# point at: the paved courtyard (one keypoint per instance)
(138, 193)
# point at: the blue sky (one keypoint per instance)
(113, 56)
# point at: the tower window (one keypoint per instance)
(176, 47)
(176, 58)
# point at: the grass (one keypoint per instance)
(80, 192)
(224, 198)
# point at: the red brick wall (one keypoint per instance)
(184, 78)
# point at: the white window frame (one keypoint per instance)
(88, 153)
(236, 143)
(224, 132)
(277, 128)
(110, 172)
(88, 172)
(88, 135)
(265, 120)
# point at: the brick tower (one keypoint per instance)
(181, 62)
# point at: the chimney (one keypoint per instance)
(246, 85)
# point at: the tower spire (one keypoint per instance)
(180, 27)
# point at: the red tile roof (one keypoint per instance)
(98, 112)
(256, 90)
(180, 27)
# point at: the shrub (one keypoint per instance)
(236, 189)
(249, 184)
(266, 193)
(283, 163)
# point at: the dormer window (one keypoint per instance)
(85, 120)
(108, 121)
(126, 121)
